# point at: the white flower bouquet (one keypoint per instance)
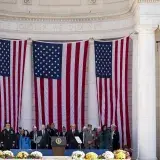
(8, 154)
(108, 155)
(78, 155)
(35, 155)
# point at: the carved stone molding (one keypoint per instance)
(27, 2)
(113, 1)
(63, 10)
(8, 1)
(146, 29)
(148, 1)
(59, 3)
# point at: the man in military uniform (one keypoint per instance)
(8, 137)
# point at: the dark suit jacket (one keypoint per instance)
(115, 141)
(63, 134)
(53, 132)
(71, 141)
(17, 140)
(33, 144)
(44, 143)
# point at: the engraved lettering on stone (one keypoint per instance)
(57, 27)
(79, 27)
(51, 27)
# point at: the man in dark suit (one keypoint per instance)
(8, 137)
(82, 136)
(44, 143)
(115, 137)
(71, 141)
(33, 137)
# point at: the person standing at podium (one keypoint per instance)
(71, 141)
(64, 132)
(53, 131)
(44, 143)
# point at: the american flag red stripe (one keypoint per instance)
(113, 92)
(11, 87)
(62, 101)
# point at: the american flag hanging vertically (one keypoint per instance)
(111, 60)
(59, 83)
(12, 63)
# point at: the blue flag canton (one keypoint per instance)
(4, 58)
(47, 60)
(103, 59)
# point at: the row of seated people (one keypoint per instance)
(100, 138)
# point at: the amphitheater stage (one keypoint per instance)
(68, 152)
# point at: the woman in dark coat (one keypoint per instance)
(105, 138)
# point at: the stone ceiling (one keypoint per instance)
(64, 8)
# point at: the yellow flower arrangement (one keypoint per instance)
(22, 155)
(121, 154)
(91, 156)
(1, 154)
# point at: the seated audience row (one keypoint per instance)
(105, 138)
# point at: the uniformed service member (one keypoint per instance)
(8, 137)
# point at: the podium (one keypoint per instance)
(58, 145)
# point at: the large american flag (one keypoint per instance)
(111, 60)
(12, 63)
(59, 83)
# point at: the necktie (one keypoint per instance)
(35, 136)
(83, 137)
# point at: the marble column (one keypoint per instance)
(93, 116)
(26, 114)
(146, 90)
(134, 94)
